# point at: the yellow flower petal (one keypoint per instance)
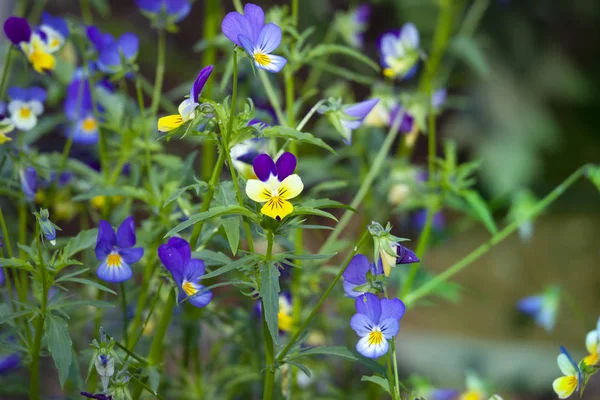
(170, 122)
(258, 191)
(277, 208)
(4, 138)
(42, 62)
(565, 386)
(290, 187)
(591, 359)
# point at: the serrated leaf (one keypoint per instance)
(88, 283)
(292, 134)
(480, 209)
(341, 351)
(59, 344)
(269, 294)
(382, 382)
(212, 213)
(225, 196)
(327, 49)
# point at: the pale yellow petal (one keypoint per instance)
(170, 122)
(258, 191)
(290, 187)
(565, 386)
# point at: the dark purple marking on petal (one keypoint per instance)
(200, 82)
(405, 255)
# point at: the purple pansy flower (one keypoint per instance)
(376, 322)
(110, 51)
(187, 109)
(276, 184)
(353, 116)
(79, 110)
(543, 307)
(2, 276)
(29, 182)
(353, 25)
(165, 11)
(25, 106)
(249, 31)
(355, 274)
(116, 251)
(442, 394)
(56, 31)
(186, 271)
(9, 362)
(34, 44)
(400, 52)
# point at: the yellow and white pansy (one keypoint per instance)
(25, 106)
(566, 385)
(592, 344)
(276, 184)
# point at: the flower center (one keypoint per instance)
(375, 337)
(188, 288)
(25, 112)
(262, 58)
(89, 125)
(471, 395)
(114, 260)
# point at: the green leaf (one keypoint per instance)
(293, 256)
(468, 50)
(212, 213)
(59, 345)
(125, 191)
(88, 283)
(269, 293)
(593, 173)
(225, 196)
(79, 303)
(326, 203)
(480, 209)
(153, 378)
(212, 257)
(341, 351)
(302, 210)
(247, 260)
(197, 186)
(303, 367)
(382, 382)
(17, 263)
(84, 240)
(5, 318)
(292, 134)
(327, 49)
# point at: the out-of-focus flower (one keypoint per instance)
(29, 182)
(360, 274)
(376, 322)
(400, 52)
(352, 25)
(186, 271)
(47, 228)
(6, 124)
(249, 31)
(56, 31)
(32, 43)
(164, 13)
(112, 52)
(9, 362)
(276, 184)
(2, 276)
(96, 396)
(285, 320)
(25, 106)
(116, 252)
(187, 109)
(350, 117)
(243, 155)
(572, 379)
(420, 217)
(592, 344)
(522, 207)
(543, 307)
(389, 249)
(105, 366)
(475, 388)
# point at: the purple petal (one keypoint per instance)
(17, 30)
(106, 233)
(99, 40)
(264, 167)
(200, 82)
(17, 93)
(171, 259)
(129, 45)
(36, 93)
(269, 38)
(246, 43)
(132, 255)
(362, 14)
(356, 272)
(56, 23)
(152, 6)
(406, 255)
(439, 98)
(275, 65)
(178, 8)
(361, 324)
(194, 270)
(126, 233)
(2, 276)
(114, 274)
(362, 109)
(285, 165)
(9, 362)
(377, 269)
(183, 247)
(443, 394)
(234, 24)
(29, 182)
(392, 308)
(103, 249)
(349, 290)
(202, 299)
(256, 16)
(531, 305)
(389, 327)
(369, 305)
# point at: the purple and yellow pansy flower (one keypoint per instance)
(572, 380)
(56, 31)
(116, 252)
(400, 52)
(276, 184)
(376, 322)
(25, 106)
(187, 108)
(176, 255)
(249, 31)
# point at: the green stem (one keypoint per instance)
(395, 364)
(310, 317)
(295, 7)
(500, 236)
(36, 12)
(165, 102)
(9, 253)
(160, 72)
(214, 180)
(5, 71)
(34, 388)
(309, 115)
(86, 12)
(390, 374)
(366, 184)
(269, 344)
(142, 107)
(124, 310)
(150, 312)
(155, 354)
(315, 73)
(238, 6)
(289, 95)
(273, 99)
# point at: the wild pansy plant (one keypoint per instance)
(116, 252)
(573, 379)
(400, 52)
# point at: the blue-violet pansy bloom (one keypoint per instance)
(32, 43)
(572, 379)
(187, 109)
(249, 31)
(543, 307)
(276, 184)
(355, 274)
(116, 252)
(165, 11)
(25, 106)
(56, 31)
(29, 182)
(400, 52)
(353, 116)
(111, 51)
(376, 322)
(176, 255)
